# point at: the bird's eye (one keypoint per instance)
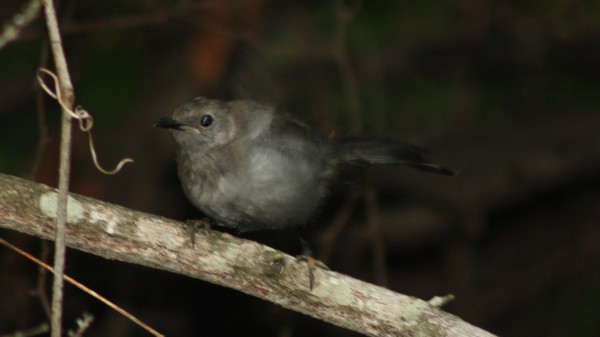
(206, 120)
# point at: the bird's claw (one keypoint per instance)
(311, 264)
(193, 226)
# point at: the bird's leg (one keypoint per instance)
(307, 256)
(194, 225)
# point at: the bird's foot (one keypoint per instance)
(194, 225)
(312, 264)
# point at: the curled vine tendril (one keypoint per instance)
(86, 122)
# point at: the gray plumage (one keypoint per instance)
(249, 167)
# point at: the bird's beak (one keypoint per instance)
(168, 123)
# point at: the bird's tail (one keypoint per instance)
(382, 151)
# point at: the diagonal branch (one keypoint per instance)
(115, 232)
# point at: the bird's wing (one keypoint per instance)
(295, 139)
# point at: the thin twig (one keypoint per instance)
(83, 324)
(82, 287)
(328, 237)
(64, 166)
(19, 21)
(344, 14)
(376, 237)
(41, 118)
(158, 17)
(40, 289)
(38, 330)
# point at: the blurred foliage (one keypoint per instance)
(15, 61)
(424, 70)
(19, 57)
(405, 23)
(110, 74)
(577, 312)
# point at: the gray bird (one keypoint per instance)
(250, 167)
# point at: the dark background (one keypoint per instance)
(507, 92)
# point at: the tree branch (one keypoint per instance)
(115, 232)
